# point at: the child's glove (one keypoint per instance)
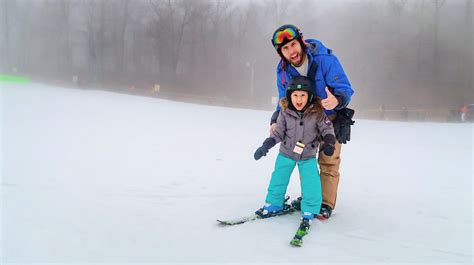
(328, 145)
(263, 150)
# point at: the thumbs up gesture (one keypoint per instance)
(330, 102)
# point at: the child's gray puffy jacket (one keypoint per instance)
(291, 128)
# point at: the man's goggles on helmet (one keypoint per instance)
(286, 34)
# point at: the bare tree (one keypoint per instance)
(469, 45)
(219, 14)
(171, 18)
(248, 54)
(279, 10)
(25, 52)
(123, 11)
(95, 31)
(63, 37)
(197, 44)
(397, 7)
(436, 52)
(6, 31)
(419, 59)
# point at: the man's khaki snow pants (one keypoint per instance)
(329, 171)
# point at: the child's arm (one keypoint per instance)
(277, 136)
(327, 131)
(263, 150)
(325, 126)
(279, 133)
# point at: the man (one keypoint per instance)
(310, 58)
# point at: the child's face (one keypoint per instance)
(299, 99)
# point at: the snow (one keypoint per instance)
(92, 177)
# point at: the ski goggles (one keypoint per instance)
(287, 34)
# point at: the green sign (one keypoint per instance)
(14, 79)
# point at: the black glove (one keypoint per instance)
(328, 145)
(342, 125)
(263, 150)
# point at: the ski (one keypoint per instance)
(303, 229)
(241, 220)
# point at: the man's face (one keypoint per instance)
(293, 52)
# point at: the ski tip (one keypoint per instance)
(227, 223)
(220, 222)
(296, 242)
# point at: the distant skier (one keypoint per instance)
(311, 58)
(299, 127)
(463, 110)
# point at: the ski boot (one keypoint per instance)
(296, 203)
(325, 212)
(270, 210)
(303, 229)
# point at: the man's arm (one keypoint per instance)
(337, 81)
(280, 128)
(281, 93)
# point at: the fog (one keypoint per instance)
(411, 59)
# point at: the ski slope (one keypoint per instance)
(91, 177)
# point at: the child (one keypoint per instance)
(300, 124)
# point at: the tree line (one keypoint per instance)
(397, 53)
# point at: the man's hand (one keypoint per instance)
(330, 102)
(273, 128)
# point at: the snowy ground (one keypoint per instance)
(91, 177)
